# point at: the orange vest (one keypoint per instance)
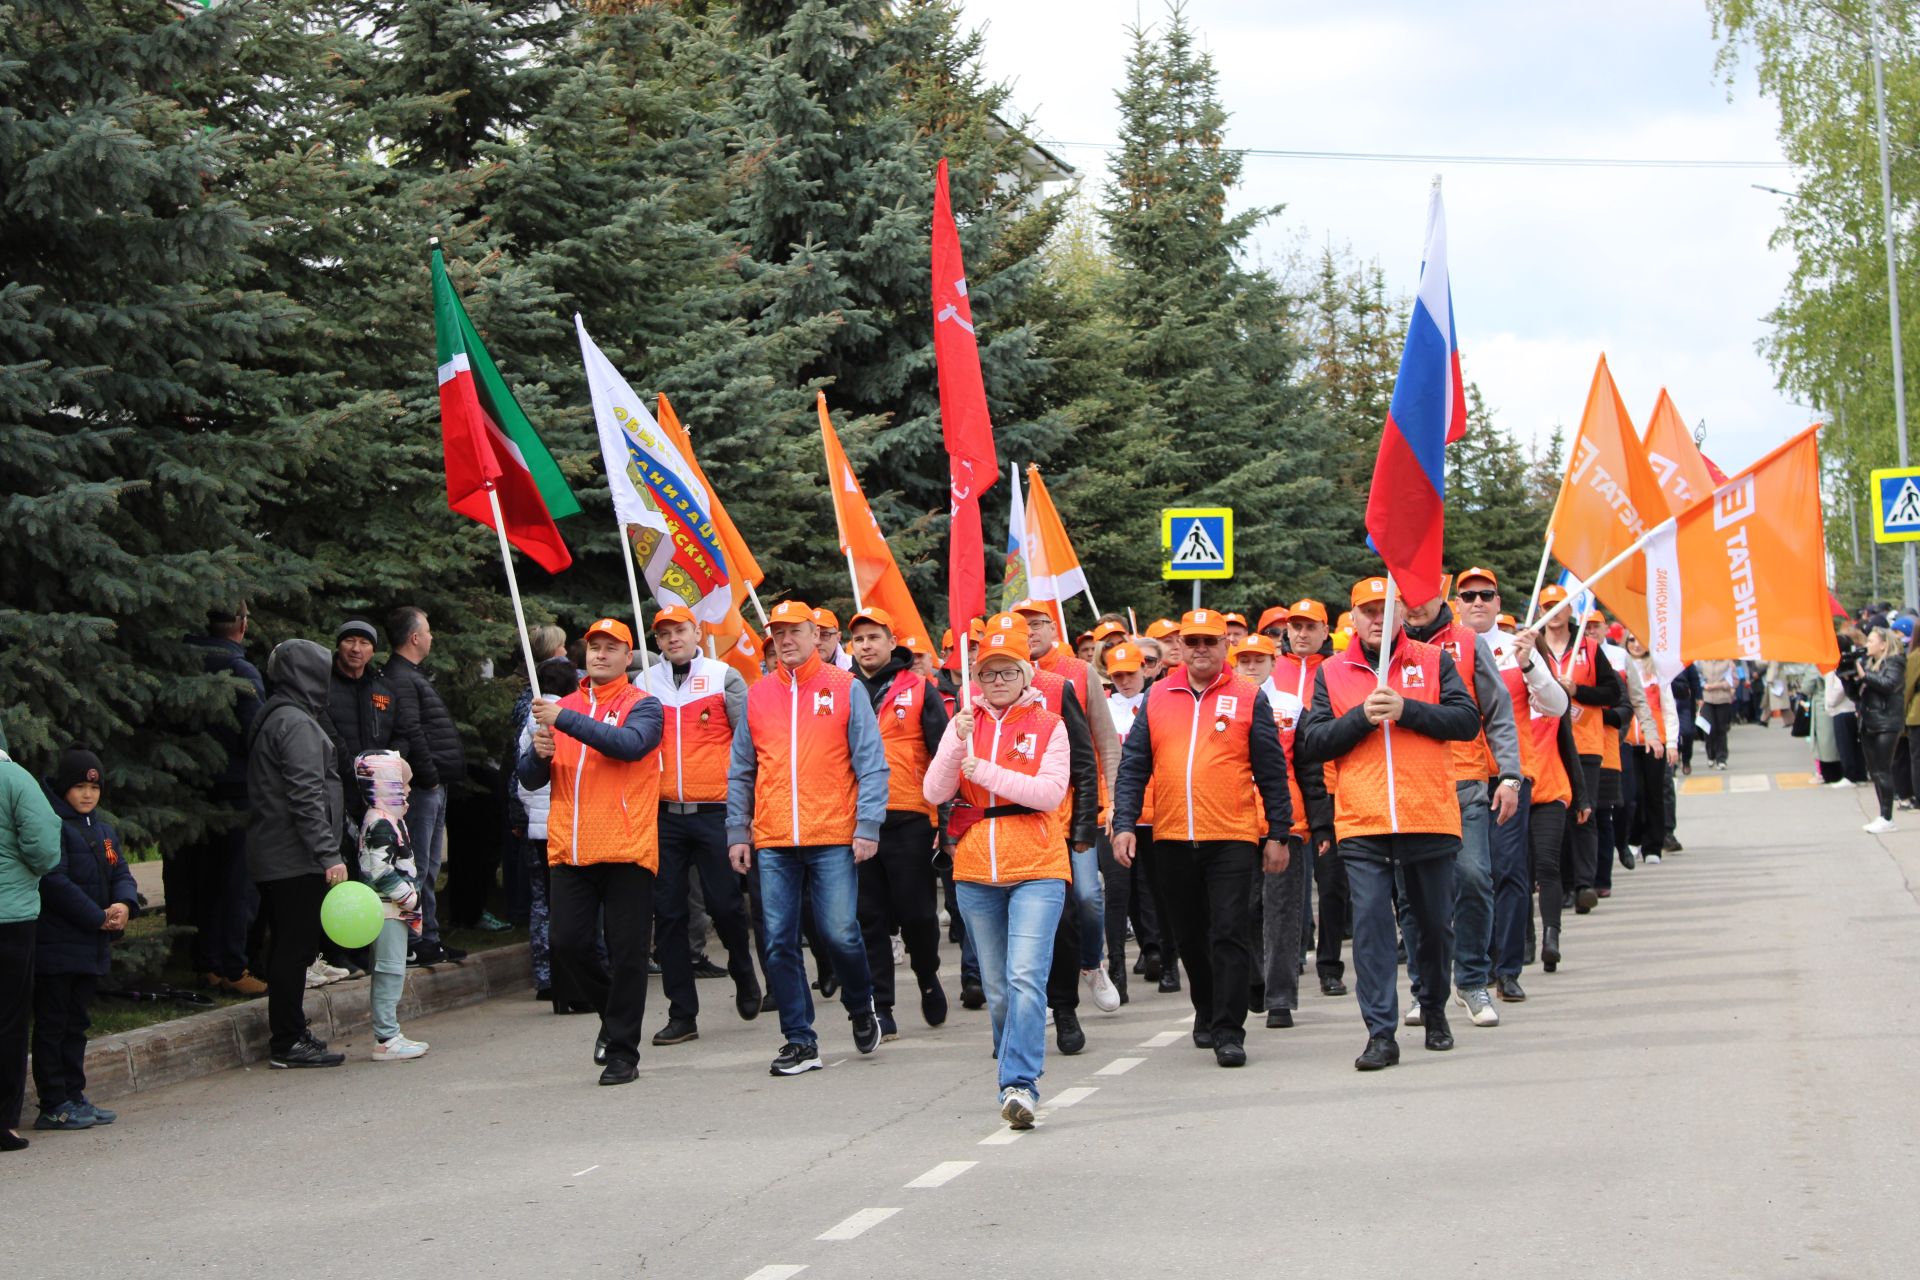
(1019, 846)
(1507, 662)
(1123, 717)
(698, 745)
(1472, 761)
(804, 791)
(905, 743)
(1590, 730)
(1202, 781)
(1392, 783)
(601, 809)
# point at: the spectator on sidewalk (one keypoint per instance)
(1717, 687)
(1685, 688)
(363, 715)
(439, 762)
(221, 903)
(29, 849)
(293, 838)
(85, 903)
(1879, 690)
(386, 863)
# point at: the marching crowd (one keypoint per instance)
(1196, 790)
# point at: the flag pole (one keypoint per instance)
(633, 591)
(1386, 633)
(966, 673)
(1133, 623)
(513, 586)
(1603, 571)
(757, 606)
(854, 579)
(1539, 580)
(1091, 605)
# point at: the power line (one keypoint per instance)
(1411, 157)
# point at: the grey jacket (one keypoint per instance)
(293, 778)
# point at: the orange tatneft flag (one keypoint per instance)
(734, 639)
(878, 578)
(1609, 499)
(1743, 574)
(1675, 458)
(1053, 569)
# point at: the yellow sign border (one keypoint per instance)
(1168, 515)
(1880, 533)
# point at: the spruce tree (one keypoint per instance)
(1490, 520)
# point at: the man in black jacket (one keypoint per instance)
(439, 761)
(364, 715)
(223, 902)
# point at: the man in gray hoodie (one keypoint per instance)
(293, 838)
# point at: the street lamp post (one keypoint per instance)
(1909, 567)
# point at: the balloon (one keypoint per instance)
(352, 915)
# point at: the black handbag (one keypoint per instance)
(1802, 717)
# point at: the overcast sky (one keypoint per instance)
(1666, 271)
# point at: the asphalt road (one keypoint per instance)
(1718, 1082)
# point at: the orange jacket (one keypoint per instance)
(808, 767)
(604, 798)
(1006, 811)
(1206, 764)
(695, 751)
(1472, 761)
(904, 711)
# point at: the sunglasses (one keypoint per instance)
(1479, 597)
(1200, 642)
(1149, 662)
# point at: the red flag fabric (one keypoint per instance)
(972, 463)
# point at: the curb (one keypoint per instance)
(220, 1039)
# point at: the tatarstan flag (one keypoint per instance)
(489, 443)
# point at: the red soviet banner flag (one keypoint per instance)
(972, 463)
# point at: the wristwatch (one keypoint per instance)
(1508, 780)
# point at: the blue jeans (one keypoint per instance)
(426, 821)
(1472, 901)
(1428, 888)
(1090, 903)
(827, 874)
(1512, 862)
(1012, 928)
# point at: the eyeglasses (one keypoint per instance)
(1200, 642)
(999, 675)
(1479, 597)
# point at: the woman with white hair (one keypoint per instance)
(1880, 692)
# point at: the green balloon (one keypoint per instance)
(352, 915)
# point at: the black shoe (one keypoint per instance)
(1508, 989)
(543, 995)
(677, 1031)
(620, 1071)
(10, 1141)
(1550, 950)
(1203, 1037)
(1671, 845)
(933, 1003)
(1279, 1017)
(1566, 899)
(1066, 1031)
(452, 955)
(768, 1004)
(1257, 999)
(1586, 900)
(705, 968)
(1150, 966)
(1140, 964)
(795, 1059)
(1170, 978)
(827, 985)
(866, 1031)
(600, 1050)
(889, 1029)
(1332, 987)
(1439, 1034)
(1381, 1052)
(747, 998)
(1627, 859)
(422, 954)
(306, 1053)
(1231, 1053)
(972, 994)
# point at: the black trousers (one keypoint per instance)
(1547, 828)
(1846, 736)
(1063, 976)
(292, 911)
(618, 990)
(1167, 934)
(16, 1002)
(696, 844)
(60, 1023)
(1336, 911)
(1128, 898)
(1879, 752)
(1207, 898)
(897, 889)
(1650, 800)
(1580, 851)
(224, 903)
(1719, 720)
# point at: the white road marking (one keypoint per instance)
(1119, 1066)
(941, 1174)
(1002, 1137)
(778, 1271)
(836, 1062)
(1067, 1097)
(584, 1172)
(857, 1224)
(1161, 1040)
(1749, 782)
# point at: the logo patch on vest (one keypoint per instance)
(1226, 706)
(1413, 676)
(612, 717)
(697, 685)
(1026, 745)
(1451, 648)
(823, 702)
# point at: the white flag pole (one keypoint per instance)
(1091, 605)
(1604, 570)
(854, 579)
(1539, 580)
(1386, 634)
(633, 591)
(757, 607)
(513, 586)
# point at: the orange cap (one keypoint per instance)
(1368, 591)
(1161, 628)
(1507, 621)
(946, 638)
(1310, 609)
(1006, 636)
(1257, 644)
(1203, 622)
(1276, 616)
(1234, 617)
(1551, 594)
(879, 617)
(1106, 629)
(1084, 635)
(1346, 622)
(825, 618)
(913, 645)
(1594, 615)
(1123, 657)
(1033, 608)
(1475, 571)
(610, 627)
(672, 613)
(793, 611)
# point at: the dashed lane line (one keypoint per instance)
(1119, 1066)
(858, 1224)
(1067, 1097)
(1162, 1040)
(941, 1174)
(779, 1271)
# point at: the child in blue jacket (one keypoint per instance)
(85, 904)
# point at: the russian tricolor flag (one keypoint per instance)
(1406, 505)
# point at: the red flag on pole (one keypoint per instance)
(972, 464)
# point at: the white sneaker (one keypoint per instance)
(1652, 859)
(315, 978)
(1414, 1016)
(1879, 826)
(1480, 1007)
(1105, 996)
(946, 921)
(398, 1049)
(1016, 1108)
(1843, 784)
(329, 972)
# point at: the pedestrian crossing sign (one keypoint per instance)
(1197, 542)
(1896, 504)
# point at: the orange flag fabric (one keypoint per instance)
(1609, 499)
(1743, 574)
(734, 639)
(877, 578)
(1675, 458)
(1053, 570)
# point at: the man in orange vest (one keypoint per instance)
(701, 699)
(1306, 647)
(596, 747)
(1395, 808)
(807, 790)
(1206, 746)
(896, 885)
